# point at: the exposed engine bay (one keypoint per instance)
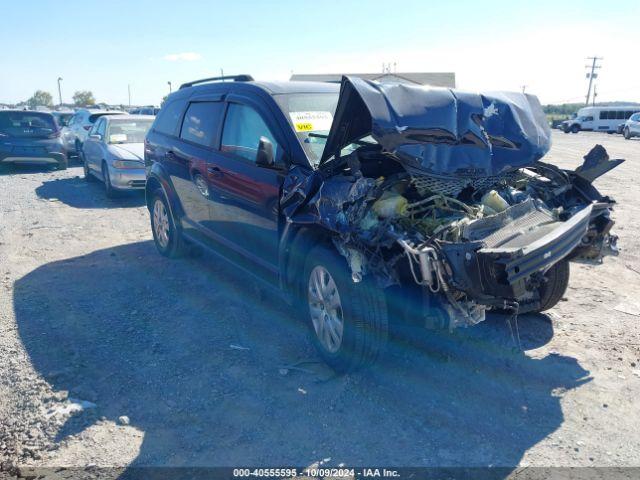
(471, 239)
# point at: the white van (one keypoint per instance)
(600, 119)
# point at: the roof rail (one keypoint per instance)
(235, 78)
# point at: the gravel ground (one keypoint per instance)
(111, 355)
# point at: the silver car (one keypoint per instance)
(114, 152)
(632, 126)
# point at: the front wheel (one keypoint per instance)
(87, 173)
(556, 281)
(166, 235)
(108, 187)
(348, 320)
(575, 128)
(62, 164)
(627, 134)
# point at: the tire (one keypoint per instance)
(552, 291)
(627, 134)
(575, 128)
(78, 148)
(108, 188)
(361, 312)
(63, 164)
(173, 245)
(88, 177)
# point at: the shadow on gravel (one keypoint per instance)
(193, 353)
(78, 193)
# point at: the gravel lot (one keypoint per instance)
(112, 355)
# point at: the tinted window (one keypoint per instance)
(243, 128)
(604, 115)
(201, 122)
(27, 124)
(168, 118)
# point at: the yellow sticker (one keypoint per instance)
(304, 127)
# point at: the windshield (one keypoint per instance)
(128, 131)
(310, 115)
(27, 124)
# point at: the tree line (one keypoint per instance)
(81, 98)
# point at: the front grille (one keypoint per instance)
(453, 186)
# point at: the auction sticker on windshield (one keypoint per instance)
(311, 121)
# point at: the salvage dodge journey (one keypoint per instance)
(368, 203)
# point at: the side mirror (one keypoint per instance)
(265, 157)
(96, 136)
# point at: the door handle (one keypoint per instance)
(215, 171)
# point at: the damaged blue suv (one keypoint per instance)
(367, 203)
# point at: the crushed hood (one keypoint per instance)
(441, 131)
(128, 151)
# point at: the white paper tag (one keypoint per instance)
(311, 121)
(118, 137)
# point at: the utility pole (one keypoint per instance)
(59, 91)
(524, 87)
(595, 94)
(169, 83)
(129, 90)
(594, 66)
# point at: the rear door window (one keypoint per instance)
(243, 128)
(168, 118)
(201, 122)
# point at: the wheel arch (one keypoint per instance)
(295, 244)
(157, 178)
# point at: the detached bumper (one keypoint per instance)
(504, 265)
(128, 179)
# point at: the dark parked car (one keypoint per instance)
(31, 137)
(367, 203)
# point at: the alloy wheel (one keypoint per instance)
(325, 309)
(161, 223)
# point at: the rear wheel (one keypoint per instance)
(348, 320)
(62, 164)
(166, 235)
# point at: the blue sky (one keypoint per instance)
(104, 46)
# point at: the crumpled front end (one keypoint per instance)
(460, 244)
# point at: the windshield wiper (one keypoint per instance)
(355, 142)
